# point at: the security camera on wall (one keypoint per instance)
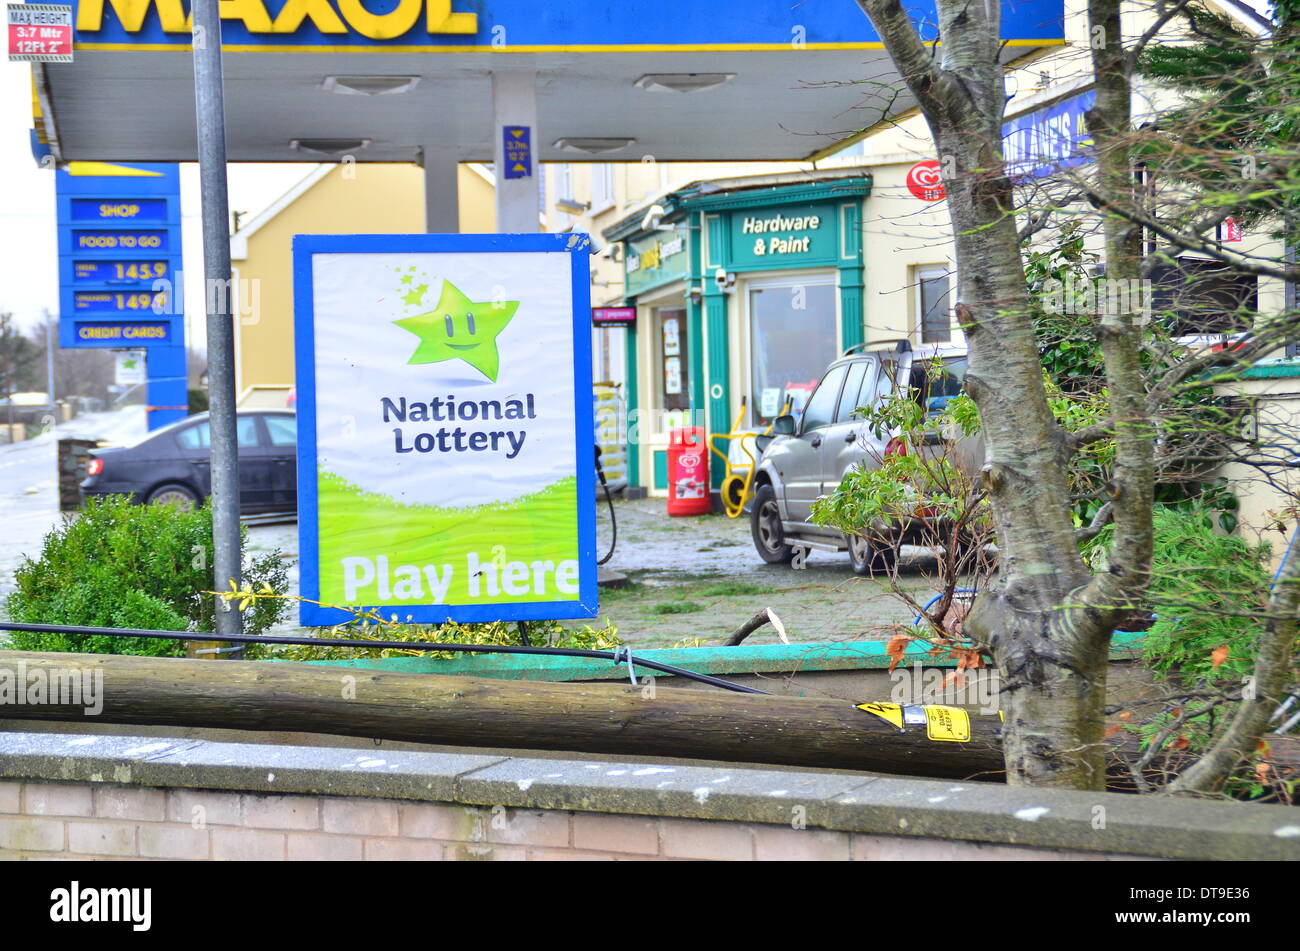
(725, 280)
(612, 251)
(654, 214)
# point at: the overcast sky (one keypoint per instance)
(29, 254)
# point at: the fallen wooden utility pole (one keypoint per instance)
(470, 711)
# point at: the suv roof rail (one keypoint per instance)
(901, 345)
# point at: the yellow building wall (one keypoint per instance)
(349, 199)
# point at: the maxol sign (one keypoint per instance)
(523, 26)
(445, 437)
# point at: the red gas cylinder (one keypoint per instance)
(688, 472)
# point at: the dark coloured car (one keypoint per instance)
(173, 466)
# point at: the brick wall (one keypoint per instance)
(101, 821)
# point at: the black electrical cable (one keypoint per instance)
(609, 500)
(619, 656)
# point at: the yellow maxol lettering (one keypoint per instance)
(131, 14)
(384, 26)
(318, 11)
(251, 12)
(440, 19)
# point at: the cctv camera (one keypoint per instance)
(652, 217)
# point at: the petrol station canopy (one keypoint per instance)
(382, 80)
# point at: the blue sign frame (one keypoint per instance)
(304, 247)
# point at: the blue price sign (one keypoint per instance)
(117, 302)
(125, 209)
(117, 334)
(120, 240)
(120, 271)
(518, 151)
(117, 272)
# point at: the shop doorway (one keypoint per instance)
(793, 338)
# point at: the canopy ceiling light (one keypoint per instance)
(682, 82)
(592, 146)
(328, 146)
(369, 85)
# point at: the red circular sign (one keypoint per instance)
(925, 182)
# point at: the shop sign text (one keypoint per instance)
(781, 244)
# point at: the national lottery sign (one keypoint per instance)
(446, 456)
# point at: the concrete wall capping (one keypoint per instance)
(764, 804)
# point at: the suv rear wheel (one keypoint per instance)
(867, 558)
(765, 526)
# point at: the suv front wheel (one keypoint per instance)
(765, 526)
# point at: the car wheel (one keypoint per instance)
(867, 558)
(177, 496)
(765, 526)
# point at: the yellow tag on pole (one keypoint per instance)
(947, 723)
(891, 713)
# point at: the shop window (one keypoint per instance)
(820, 410)
(608, 346)
(792, 334)
(1199, 297)
(674, 382)
(564, 192)
(602, 185)
(932, 304)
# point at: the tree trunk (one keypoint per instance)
(1050, 647)
(467, 711)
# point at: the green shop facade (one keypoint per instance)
(744, 291)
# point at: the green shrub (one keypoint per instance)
(1205, 586)
(540, 634)
(122, 565)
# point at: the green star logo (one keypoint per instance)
(460, 329)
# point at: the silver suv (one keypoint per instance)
(808, 456)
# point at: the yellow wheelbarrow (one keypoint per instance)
(738, 477)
